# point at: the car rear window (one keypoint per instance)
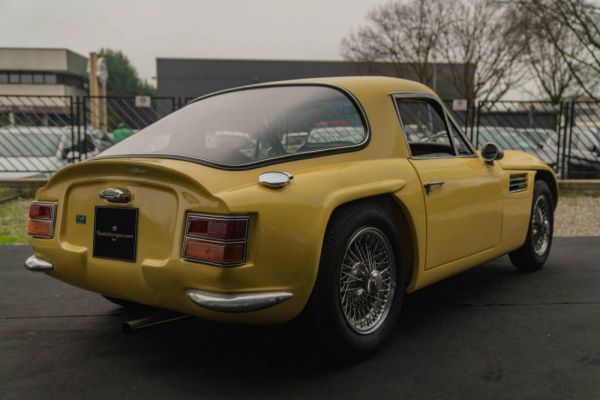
(250, 126)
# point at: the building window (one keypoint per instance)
(50, 79)
(40, 78)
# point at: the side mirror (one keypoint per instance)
(491, 152)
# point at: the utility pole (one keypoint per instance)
(98, 77)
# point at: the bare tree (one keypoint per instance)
(477, 38)
(403, 33)
(483, 46)
(553, 75)
(579, 18)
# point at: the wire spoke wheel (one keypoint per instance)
(540, 224)
(367, 280)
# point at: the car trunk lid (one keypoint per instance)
(159, 193)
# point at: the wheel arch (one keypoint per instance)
(550, 180)
(401, 219)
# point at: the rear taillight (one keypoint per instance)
(216, 240)
(41, 219)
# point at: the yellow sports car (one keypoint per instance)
(326, 199)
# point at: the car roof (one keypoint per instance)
(403, 85)
(357, 85)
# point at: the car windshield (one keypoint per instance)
(26, 144)
(252, 125)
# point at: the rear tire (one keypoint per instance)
(534, 252)
(357, 297)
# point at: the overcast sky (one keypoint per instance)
(147, 29)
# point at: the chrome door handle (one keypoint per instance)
(429, 185)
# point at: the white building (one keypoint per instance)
(42, 72)
(38, 85)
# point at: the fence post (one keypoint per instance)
(83, 122)
(563, 167)
(468, 124)
(476, 121)
(559, 124)
(570, 137)
(566, 142)
(74, 130)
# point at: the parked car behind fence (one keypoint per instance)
(566, 135)
(37, 151)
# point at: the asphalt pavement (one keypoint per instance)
(489, 333)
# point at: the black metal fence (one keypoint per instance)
(564, 135)
(39, 134)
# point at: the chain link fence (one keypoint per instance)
(40, 134)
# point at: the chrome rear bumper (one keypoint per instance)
(37, 264)
(236, 302)
(222, 302)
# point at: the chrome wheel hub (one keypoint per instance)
(374, 281)
(540, 226)
(367, 280)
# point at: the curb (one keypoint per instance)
(585, 187)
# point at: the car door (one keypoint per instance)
(462, 193)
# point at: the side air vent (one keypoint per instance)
(518, 183)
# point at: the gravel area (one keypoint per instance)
(577, 216)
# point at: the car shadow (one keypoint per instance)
(251, 348)
(197, 345)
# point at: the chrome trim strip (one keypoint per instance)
(36, 264)
(447, 119)
(460, 132)
(518, 183)
(236, 302)
(517, 191)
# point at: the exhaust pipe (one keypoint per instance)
(153, 320)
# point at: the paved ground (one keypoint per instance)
(490, 333)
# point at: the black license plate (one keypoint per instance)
(115, 233)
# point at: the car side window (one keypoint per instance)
(425, 128)
(460, 143)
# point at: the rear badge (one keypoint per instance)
(80, 219)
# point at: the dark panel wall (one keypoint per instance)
(196, 77)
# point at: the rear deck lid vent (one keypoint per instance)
(518, 183)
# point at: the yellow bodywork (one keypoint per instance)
(475, 220)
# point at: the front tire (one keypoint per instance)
(360, 285)
(534, 252)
